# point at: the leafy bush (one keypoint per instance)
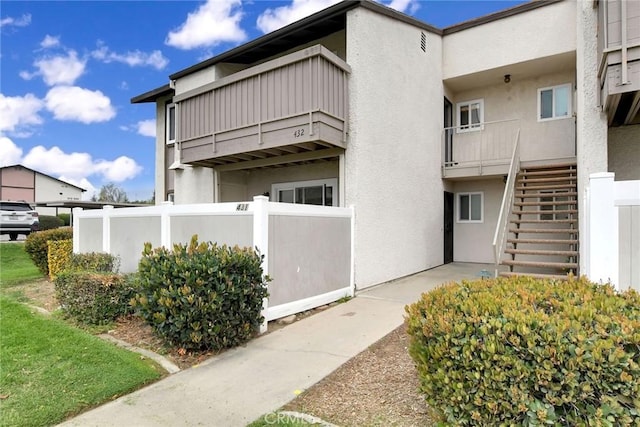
(529, 352)
(94, 261)
(201, 296)
(48, 222)
(61, 257)
(66, 219)
(93, 298)
(36, 245)
(58, 255)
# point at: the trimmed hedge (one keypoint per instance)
(528, 352)
(48, 222)
(201, 296)
(66, 219)
(36, 245)
(93, 298)
(58, 256)
(61, 257)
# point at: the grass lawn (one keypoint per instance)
(50, 370)
(16, 266)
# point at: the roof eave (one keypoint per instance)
(153, 95)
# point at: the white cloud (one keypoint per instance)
(77, 104)
(77, 166)
(22, 21)
(58, 69)
(124, 85)
(214, 22)
(272, 19)
(17, 112)
(147, 127)
(10, 153)
(49, 41)
(118, 170)
(135, 58)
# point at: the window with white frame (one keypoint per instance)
(322, 192)
(554, 102)
(171, 123)
(470, 207)
(470, 115)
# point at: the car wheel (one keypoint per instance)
(13, 236)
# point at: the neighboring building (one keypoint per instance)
(415, 126)
(18, 182)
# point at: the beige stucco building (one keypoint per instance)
(420, 129)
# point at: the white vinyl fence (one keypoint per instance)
(308, 250)
(611, 245)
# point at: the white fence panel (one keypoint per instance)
(612, 244)
(308, 250)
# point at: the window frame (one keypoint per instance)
(470, 127)
(459, 204)
(293, 185)
(168, 139)
(553, 102)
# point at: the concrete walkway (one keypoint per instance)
(242, 384)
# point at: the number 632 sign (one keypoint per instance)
(298, 133)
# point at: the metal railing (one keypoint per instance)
(500, 235)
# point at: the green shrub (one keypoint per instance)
(48, 222)
(36, 245)
(529, 352)
(201, 296)
(66, 219)
(93, 298)
(58, 256)
(61, 257)
(94, 261)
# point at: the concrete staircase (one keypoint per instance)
(543, 230)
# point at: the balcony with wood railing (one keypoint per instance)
(292, 108)
(481, 149)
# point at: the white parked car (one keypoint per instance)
(17, 218)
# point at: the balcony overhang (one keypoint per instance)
(293, 106)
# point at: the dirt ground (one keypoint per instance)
(378, 387)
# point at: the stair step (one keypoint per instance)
(541, 264)
(540, 252)
(567, 165)
(539, 195)
(554, 203)
(545, 241)
(536, 275)
(539, 212)
(548, 187)
(523, 179)
(544, 221)
(544, 230)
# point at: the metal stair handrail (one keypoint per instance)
(500, 235)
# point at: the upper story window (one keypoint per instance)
(322, 192)
(470, 115)
(171, 123)
(554, 102)
(470, 207)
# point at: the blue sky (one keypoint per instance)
(68, 70)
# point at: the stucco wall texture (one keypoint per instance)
(624, 152)
(392, 164)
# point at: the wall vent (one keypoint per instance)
(423, 42)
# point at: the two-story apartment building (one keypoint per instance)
(421, 129)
